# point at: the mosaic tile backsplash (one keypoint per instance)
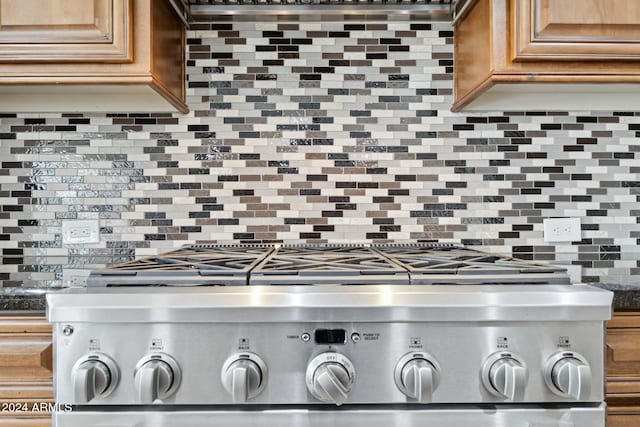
(318, 132)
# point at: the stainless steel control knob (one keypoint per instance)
(504, 375)
(569, 375)
(156, 377)
(244, 376)
(94, 377)
(330, 377)
(417, 375)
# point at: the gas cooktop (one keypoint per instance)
(384, 335)
(418, 264)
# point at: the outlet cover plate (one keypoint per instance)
(562, 230)
(74, 277)
(80, 232)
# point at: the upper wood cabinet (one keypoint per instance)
(548, 54)
(569, 30)
(66, 30)
(91, 55)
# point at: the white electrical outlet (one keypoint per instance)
(79, 232)
(562, 230)
(74, 277)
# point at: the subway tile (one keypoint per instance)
(298, 128)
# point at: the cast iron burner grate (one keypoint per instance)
(459, 265)
(188, 266)
(326, 264)
(417, 264)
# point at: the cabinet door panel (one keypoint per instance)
(623, 352)
(575, 30)
(26, 371)
(623, 360)
(65, 30)
(623, 420)
(25, 357)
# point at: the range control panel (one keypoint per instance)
(333, 364)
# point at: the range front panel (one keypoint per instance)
(384, 363)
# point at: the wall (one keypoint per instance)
(318, 132)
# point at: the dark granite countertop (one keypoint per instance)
(20, 300)
(626, 297)
(31, 300)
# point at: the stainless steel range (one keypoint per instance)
(330, 335)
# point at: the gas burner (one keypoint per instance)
(189, 266)
(327, 264)
(432, 265)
